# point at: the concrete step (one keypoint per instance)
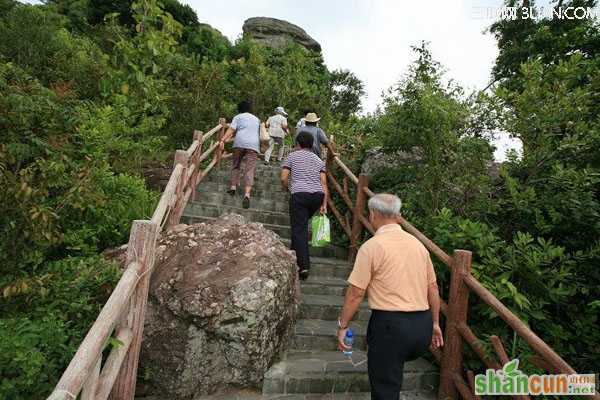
(328, 307)
(261, 182)
(271, 203)
(338, 396)
(283, 231)
(324, 286)
(275, 193)
(196, 209)
(332, 372)
(330, 270)
(319, 335)
(330, 251)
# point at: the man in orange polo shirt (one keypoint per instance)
(396, 272)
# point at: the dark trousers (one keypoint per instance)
(394, 337)
(302, 208)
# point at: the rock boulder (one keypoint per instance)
(277, 33)
(223, 303)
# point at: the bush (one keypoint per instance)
(44, 319)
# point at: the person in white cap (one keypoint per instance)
(278, 127)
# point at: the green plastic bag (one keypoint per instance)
(321, 235)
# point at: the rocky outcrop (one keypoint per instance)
(277, 33)
(375, 159)
(222, 305)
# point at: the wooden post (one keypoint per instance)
(359, 207)
(141, 248)
(199, 136)
(458, 302)
(219, 152)
(182, 158)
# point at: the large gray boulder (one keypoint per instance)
(277, 33)
(222, 306)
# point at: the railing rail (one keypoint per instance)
(122, 316)
(454, 380)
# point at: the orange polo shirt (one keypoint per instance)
(395, 269)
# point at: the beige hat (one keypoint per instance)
(311, 117)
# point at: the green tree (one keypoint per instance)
(347, 91)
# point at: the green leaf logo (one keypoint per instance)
(511, 368)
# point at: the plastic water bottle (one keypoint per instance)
(349, 341)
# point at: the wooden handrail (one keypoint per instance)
(533, 340)
(86, 356)
(214, 130)
(124, 312)
(166, 198)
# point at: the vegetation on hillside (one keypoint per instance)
(92, 91)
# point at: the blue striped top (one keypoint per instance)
(305, 171)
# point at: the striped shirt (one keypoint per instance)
(305, 171)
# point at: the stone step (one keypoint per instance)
(333, 372)
(330, 270)
(324, 286)
(270, 203)
(265, 182)
(281, 230)
(319, 335)
(328, 307)
(335, 396)
(275, 193)
(196, 209)
(330, 251)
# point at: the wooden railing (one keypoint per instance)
(122, 317)
(454, 380)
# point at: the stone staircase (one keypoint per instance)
(312, 368)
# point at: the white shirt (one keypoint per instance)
(246, 128)
(276, 124)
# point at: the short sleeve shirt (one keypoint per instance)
(395, 269)
(276, 124)
(305, 171)
(246, 128)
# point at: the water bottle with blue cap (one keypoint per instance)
(348, 341)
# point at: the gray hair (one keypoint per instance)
(386, 205)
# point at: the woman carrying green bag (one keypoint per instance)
(303, 174)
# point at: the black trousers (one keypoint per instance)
(394, 337)
(302, 208)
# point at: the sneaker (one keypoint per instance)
(246, 202)
(303, 274)
(231, 192)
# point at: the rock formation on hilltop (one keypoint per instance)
(277, 33)
(222, 306)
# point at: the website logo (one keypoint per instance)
(511, 381)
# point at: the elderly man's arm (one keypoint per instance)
(354, 296)
(433, 297)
